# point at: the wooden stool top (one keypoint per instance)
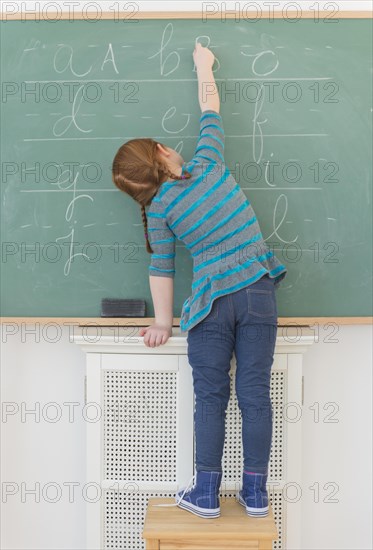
(175, 523)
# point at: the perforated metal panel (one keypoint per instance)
(139, 444)
(139, 425)
(276, 500)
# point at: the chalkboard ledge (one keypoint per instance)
(146, 321)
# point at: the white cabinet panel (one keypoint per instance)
(142, 445)
(139, 361)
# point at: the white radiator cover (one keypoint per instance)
(141, 445)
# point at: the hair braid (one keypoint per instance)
(161, 170)
(138, 171)
(145, 224)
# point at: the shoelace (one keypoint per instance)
(191, 481)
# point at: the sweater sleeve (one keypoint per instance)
(210, 145)
(162, 241)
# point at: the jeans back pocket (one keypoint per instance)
(261, 303)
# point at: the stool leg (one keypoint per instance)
(152, 544)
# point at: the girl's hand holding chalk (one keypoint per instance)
(155, 335)
(203, 57)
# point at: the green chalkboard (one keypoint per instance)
(296, 106)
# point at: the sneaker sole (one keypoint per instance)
(197, 510)
(253, 512)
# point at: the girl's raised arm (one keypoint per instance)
(208, 94)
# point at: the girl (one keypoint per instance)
(232, 307)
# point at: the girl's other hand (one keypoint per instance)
(203, 57)
(155, 335)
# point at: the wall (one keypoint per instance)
(40, 368)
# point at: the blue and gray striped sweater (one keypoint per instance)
(211, 215)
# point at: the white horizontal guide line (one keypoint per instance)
(117, 190)
(122, 138)
(254, 79)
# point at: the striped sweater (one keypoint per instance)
(211, 215)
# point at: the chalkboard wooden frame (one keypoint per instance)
(343, 14)
(326, 323)
(136, 322)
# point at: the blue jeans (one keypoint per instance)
(243, 322)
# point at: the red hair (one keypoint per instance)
(138, 171)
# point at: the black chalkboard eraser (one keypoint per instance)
(127, 307)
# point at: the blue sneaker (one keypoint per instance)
(254, 496)
(203, 498)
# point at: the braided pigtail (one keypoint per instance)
(173, 176)
(145, 224)
(160, 171)
(138, 171)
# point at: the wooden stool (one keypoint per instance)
(172, 528)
